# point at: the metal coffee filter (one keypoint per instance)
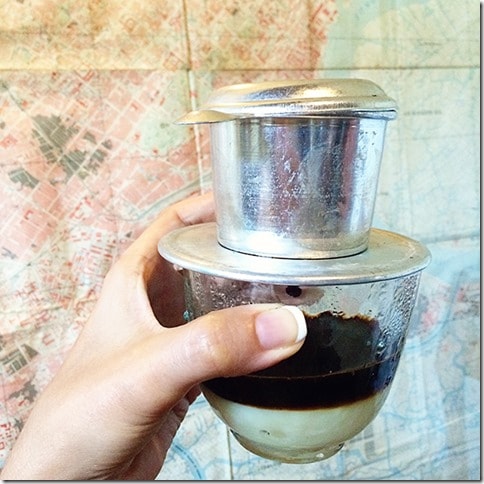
(296, 165)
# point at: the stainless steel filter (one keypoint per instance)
(296, 165)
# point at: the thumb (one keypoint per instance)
(228, 342)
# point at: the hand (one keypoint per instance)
(112, 410)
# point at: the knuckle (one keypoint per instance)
(213, 346)
(116, 271)
(124, 271)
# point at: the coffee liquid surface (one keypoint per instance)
(337, 364)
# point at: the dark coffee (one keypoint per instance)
(338, 363)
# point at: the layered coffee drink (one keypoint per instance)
(295, 172)
(304, 408)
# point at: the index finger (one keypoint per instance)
(192, 210)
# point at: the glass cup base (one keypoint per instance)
(288, 456)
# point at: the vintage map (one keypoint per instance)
(89, 154)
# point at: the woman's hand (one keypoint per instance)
(115, 405)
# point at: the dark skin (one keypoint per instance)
(112, 410)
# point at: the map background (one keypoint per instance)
(89, 155)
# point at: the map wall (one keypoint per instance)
(90, 154)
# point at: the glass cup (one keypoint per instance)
(305, 408)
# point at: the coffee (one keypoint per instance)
(338, 364)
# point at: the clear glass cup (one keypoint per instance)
(305, 408)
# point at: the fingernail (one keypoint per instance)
(280, 327)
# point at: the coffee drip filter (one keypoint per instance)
(295, 173)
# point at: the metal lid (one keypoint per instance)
(389, 255)
(320, 97)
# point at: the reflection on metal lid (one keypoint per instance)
(321, 97)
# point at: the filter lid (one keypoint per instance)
(318, 97)
(389, 255)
